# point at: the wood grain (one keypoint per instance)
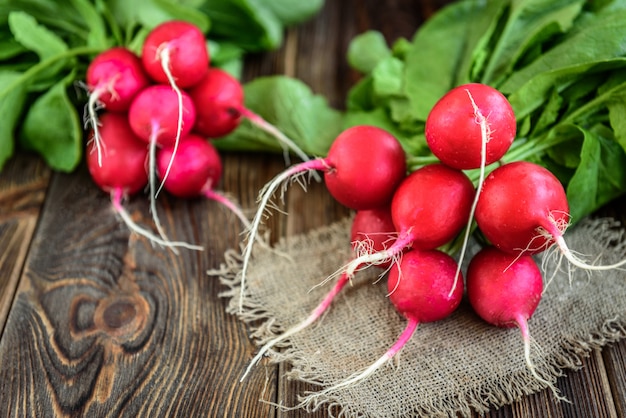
(99, 323)
(22, 190)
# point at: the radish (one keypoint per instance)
(175, 52)
(114, 77)
(470, 127)
(363, 167)
(219, 100)
(429, 208)
(505, 290)
(372, 229)
(523, 209)
(122, 171)
(196, 171)
(418, 288)
(454, 126)
(155, 117)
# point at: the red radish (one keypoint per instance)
(363, 167)
(418, 288)
(523, 209)
(372, 229)
(219, 100)
(196, 171)
(158, 117)
(175, 52)
(429, 208)
(125, 157)
(197, 167)
(122, 171)
(114, 77)
(454, 130)
(505, 290)
(153, 115)
(471, 126)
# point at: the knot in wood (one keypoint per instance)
(121, 317)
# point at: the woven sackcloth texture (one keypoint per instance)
(449, 367)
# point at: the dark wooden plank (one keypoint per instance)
(106, 325)
(22, 190)
(614, 358)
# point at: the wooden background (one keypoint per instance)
(97, 322)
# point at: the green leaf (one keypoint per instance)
(263, 30)
(366, 50)
(360, 95)
(595, 48)
(443, 45)
(35, 37)
(388, 78)
(12, 98)
(52, 128)
(294, 109)
(290, 12)
(150, 13)
(550, 112)
(528, 22)
(93, 20)
(600, 176)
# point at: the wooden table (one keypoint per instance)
(96, 322)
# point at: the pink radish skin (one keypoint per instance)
(197, 167)
(178, 47)
(453, 128)
(431, 205)
(153, 115)
(219, 100)
(505, 290)
(175, 53)
(419, 288)
(114, 78)
(125, 158)
(470, 127)
(123, 170)
(429, 208)
(517, 200)
(523, 209)
(162, 117)
(372, 229)
(196, 171)
(363, 167)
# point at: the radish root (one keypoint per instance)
(556, 230)
(265, 195)
(313, 316)
(163, 55)
(116, 199)
(522, 323)
(283, 139)
(485, 134)
(404, 337)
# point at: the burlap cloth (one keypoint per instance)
(449, 367)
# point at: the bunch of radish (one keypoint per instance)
(153, 116)
(520, 208)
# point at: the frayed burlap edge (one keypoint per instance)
(480, 399)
